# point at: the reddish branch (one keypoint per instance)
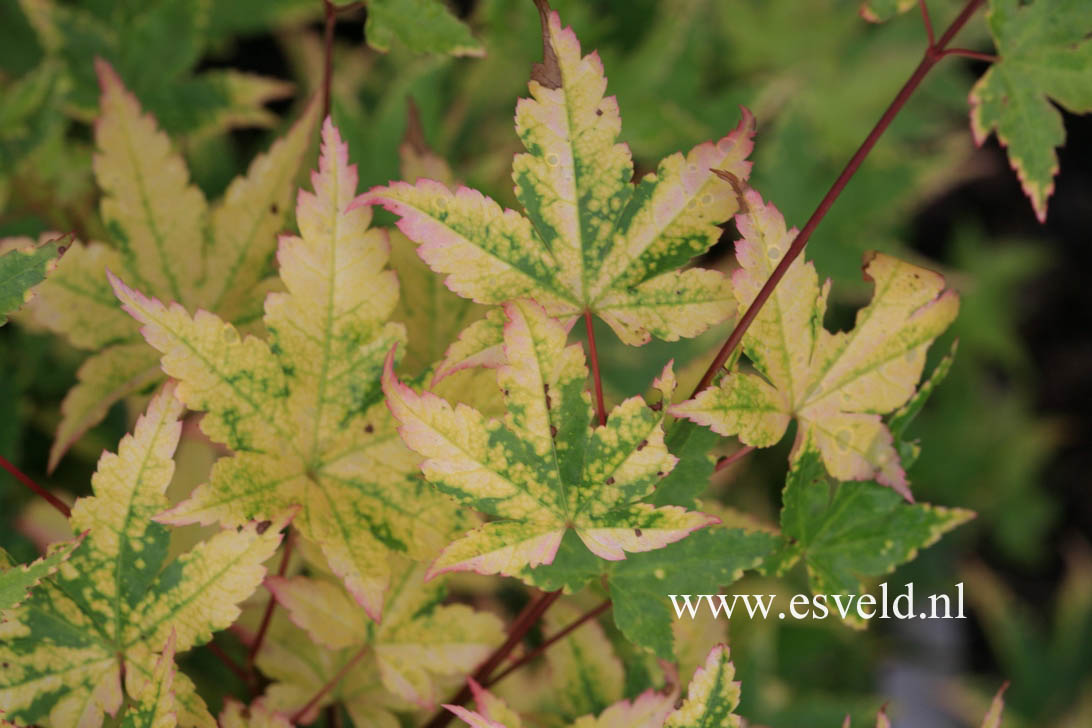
(328, 55)
(268, 615)
(735, 457)
(933, 54)
(26, 480)
(562, 634)
(600, 407)
(329, 685)
(523, 624)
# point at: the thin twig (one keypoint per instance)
(231, 664)
(28, 482)
(967, 53)
(735, 457)
(928, 23)
(600, 407)
(330, 685)
(932, 55)
(328, 55)
(527, 619)
(268, 615)
(586, 617)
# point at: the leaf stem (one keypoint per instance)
(231, 664)
(735, 457)
(268, 615)
(600, 407)
(928, 23)
(330, 685)
(28, 482)
(523, 624)
(562, 634)
(328, 55)
(934, 53)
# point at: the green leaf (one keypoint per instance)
(847, 532)
(23, 265)
(16, 580)
(705, 561)
(303, 411)
(1045, 59)
(590, 239)
(117, 601)
(423, 26)
(542, 470)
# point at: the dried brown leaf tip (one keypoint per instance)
(547, 73)
(737, 185)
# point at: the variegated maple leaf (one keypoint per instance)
(166, 241)
(116, 602)
(590, 240)
(303, 412)
(23, 265)
(836, 386)
(712, 698)
(417, 649)
(16, 580)
(543, 470)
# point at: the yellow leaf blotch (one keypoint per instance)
(712, 696)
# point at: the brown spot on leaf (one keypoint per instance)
(642, 444)
(737, 186)
(610, 480)
(598, 112)
(553, 431)
(274, 209)
(369, 428)
(637, 532)
(659, 473)
(547, 73)
(656, 406)
(263, 527)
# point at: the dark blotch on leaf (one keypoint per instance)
(656, 406)
(369, 429)
(547, 73)
(553, 431)
(263, 527)
(637, 532)
(610, 480)
(641, 445)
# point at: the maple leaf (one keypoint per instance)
(303, 411)
(153, 703)
(432, 313)
(167, 241)
(418, 643)
(23, 265)
(1046, 56)
(712, 698)
(861, 530)
(301, 668)
(835, 385)
(256, 715)
(542, 470)
(590, 240)
(16, 580)
(424, 26)
(116, 601)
